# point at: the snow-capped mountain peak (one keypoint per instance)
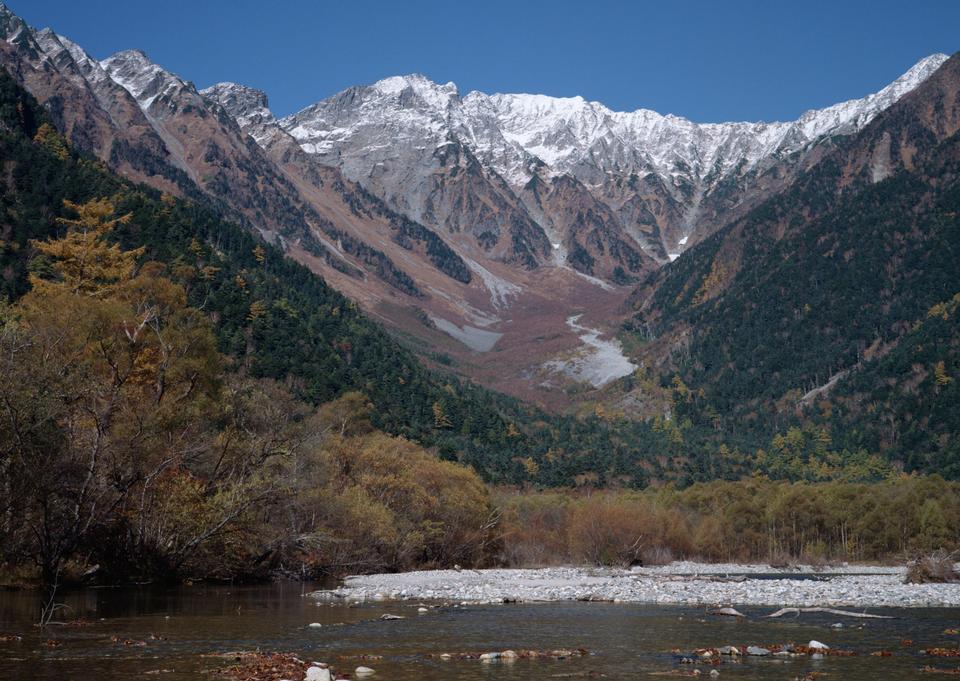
(388, 136)
(573, 135)
(853, 114)
(431, 93)
(142, 78)
(12, 27)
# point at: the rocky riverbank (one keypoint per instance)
(680, 583)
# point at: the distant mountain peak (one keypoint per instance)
(248, 106)
(12, 27)
(238, 100)
(416, 81)
(386, 136)
(922, 69)
(142, 77)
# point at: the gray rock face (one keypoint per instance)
(654, 172)
(249, 107)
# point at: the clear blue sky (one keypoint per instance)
(714, 60)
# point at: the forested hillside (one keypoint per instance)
(832, 306)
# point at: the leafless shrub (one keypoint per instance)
(656, 555)
(933, 568)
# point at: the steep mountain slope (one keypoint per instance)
(168, 137)
(96, 114)
(820, 291)
(153, 126)
(484, 302)
(659, 175)
(451, 297)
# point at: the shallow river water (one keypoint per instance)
(182, 626)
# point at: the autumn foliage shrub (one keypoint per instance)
(534, 528)
(600, 528)
(388, 504)
(608, 529)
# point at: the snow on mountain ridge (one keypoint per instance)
(574, 135)
(393, 136)
(248, 106)
(412, 106)
(142, 78)
(564, 132)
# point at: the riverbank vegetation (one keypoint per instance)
(754, 519)
(129, 451)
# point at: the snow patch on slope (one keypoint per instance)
(476, 339)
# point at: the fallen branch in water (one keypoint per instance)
(730, 612)
(844, 613)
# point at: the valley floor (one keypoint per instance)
(678, 583)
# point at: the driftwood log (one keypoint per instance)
(832, 611)
(730, 612)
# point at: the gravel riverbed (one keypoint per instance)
(679, 583)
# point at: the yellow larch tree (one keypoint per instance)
(83, 260)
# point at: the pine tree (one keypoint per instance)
(47, 136)
(257, 310)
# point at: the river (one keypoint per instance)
(169, 634)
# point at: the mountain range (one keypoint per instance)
(557, 250)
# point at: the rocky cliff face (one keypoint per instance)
(664, 179)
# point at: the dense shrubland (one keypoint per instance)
(754, 519)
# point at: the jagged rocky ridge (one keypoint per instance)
(653, 178)
(156, 127)
(532, 179)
